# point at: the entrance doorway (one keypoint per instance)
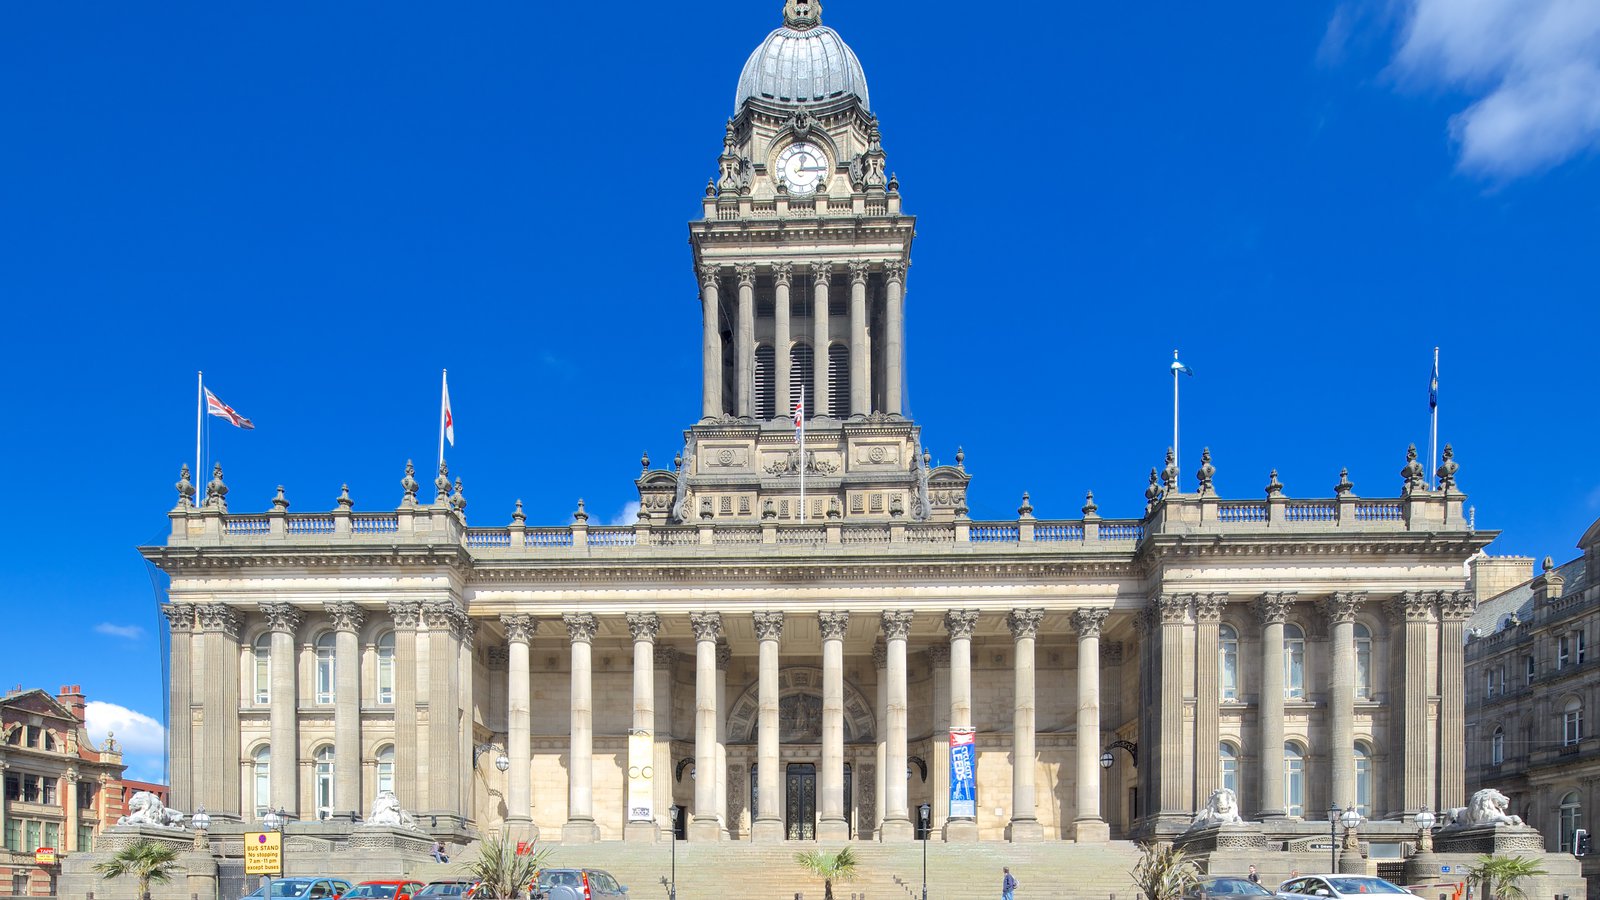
(800, 812)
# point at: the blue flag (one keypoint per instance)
(1180, 367)
(1433, 386)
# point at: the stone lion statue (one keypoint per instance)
(147, 809)
(1487, 807)
(386, 813)
(1222, 808)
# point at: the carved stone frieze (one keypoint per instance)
(833, 624)
(519, 628)
(769, 625)
(346, 616)
(1088, 622)
(960, 623)
(581, 627)
(643, 626)
(707, 626)
(896, 624)
(1024, 623)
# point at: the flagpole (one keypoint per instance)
(199, 422)
(444, 388)
(1433, 429)
(1177, 459)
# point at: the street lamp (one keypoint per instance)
(1333, 838)
(276, 821)
(1425, 820)
(1107, 760)
(201, 822)
(502, 762)
(1351, 821)
(923, 812)
(672, 892)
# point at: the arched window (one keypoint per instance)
(386, 668)
(801, 378)
(1497, 747)
(1294, 662)
(325, 783)
(1363, 779)
(263, 679)
(1228, 663)
(839, 381)
(1230, 767)
(325, 667)
(1294, 779)
(765, 400)
(1571, 819)
(1363, 661)
(386, 768)
(263, 780)
(1572, 722)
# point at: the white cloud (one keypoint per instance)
(1533, 65)
(128, 632)
(142, 738)
(629, 514)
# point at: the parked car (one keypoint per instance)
(383, 890)
(577, 884)
(302, 887)
(447, 889)
(1226, 886)
(1340, 887)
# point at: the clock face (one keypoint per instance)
(802, 167)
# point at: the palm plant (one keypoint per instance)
(503, 873)
(1500, 877)
(830, 867)
(1164, 872)
(148, 861)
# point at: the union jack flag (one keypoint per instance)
(223, 411)
(800, 416)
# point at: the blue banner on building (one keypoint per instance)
(963, 775)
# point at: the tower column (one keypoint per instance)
(706, 825)
(446, 622)
(283, 715)
(1340, 610)
(1089, 825)
(405, 615)
(180, 737)
(1415, 609)
(1208, 692)
(580, 827)
(347, 621)
(821, 275)
(745, 345)
(215, 784)
(641, 824)
(710, 345)
(860, 351)
(1024, 826)
(832, 825)
(768, 824)
(519, 725)
(960, 624)
(782, 278)
(897, 817)
(1274, 609)
(1455, 608)
(895, 338)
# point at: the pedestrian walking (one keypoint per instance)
(1255, 878)
(1008, 885)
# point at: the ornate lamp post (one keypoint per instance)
(1333, 838)
(923, 813)
(276, 821)
(672, 891)
(201, 822)
(1425, 820)
(1352, 842)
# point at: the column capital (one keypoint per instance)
(219, 618)
(707, 626)
(938, 655)
(443, 615)
(1341, 606)
(180, 617)
(519, 628)
(1209, 607)
(1024, 623)
(769, 625)
(282, 618)
(709, 275)
(467, 630)
(896, 624)
(724, 656)
(783, 273)
(880, 656)
(960, 622)
(1412, 606)
(1088, 622)
(821, 272)
(581, 627)
(859, 270)
(643, 626)
(346, 616)
(895, 271)
(833, 624)
(405, 613)
(1456, 606)
(1172, 609)
(746, 273)
(1273, 606)
(665, 656)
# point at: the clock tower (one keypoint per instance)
(801, 256)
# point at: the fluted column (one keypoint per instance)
(1273, 609)
(70, 791)
(938, 657)
(821, 275)
(768, 824)
(1024, 826)
(347, 621)
(960, 624)
(1172, 611)
(880, 731)
(465, 655)
(897, 817)
(283, 718)
(1340, 610)
(745, 346)
(895, 339)
(580, 826)
(860, 351)
(519, 724)
(1208, 693)
(1416, 610)
(832, 825)
(706, 825)
(1090, 825)
(217, 763)
(782, 278)
(1455, 607)
(710, 345)
(641, 824)
(405, 614)
(724, 657)
(666, 659)
(180, 735)
(446, 621)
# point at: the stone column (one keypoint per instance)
(5, 767)
(1415, 609)
(960, 624)
(782, 278)
(880, 730)
(724, 656)
(347, 621)
(821, 275)
(217, 766)
(832, 825)
(745, 343)
(283, 719)
(860, 350)
(665, 660)
(939, 744)
(644, 627)
(1208, 693)
(706, 825)
(519, 725)
(1340, 610)
(580, 827)
(1273, 609)
(895, 339)
(446, 621)
(465, 656)
(70, 839)
(180, 735)
(1090, 825)
(710, 345)
(1455, 607)
(1024, 826)
(1172, 610)
(897, 817)
(768, 823)
(405, 615)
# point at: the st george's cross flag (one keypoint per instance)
(447, 421)
(800, 417)
(223, 411)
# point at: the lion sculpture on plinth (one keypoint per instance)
(147, 809)
(1222, 808)
(1487, 807)
(386, 813)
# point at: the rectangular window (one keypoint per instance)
(49, 791)
(13, 835)
(1578, 646)
(1488, 683)
(86, 792)
(1571, 727)
(1563, 651)
(52, 835)
(1530, 666)
(13, 787)
(35, 834)
(85, 838)
(19, 882)
(30, 788)
(35, 736)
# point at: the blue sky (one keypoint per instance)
(321, 205)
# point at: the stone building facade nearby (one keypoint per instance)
(60, 789)
(784, 644)
(1533, 686)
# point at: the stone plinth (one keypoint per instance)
(118, 836)
(1213, 838)
(1489, 839)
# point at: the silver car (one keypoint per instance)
(578, 884)
(1341, 887)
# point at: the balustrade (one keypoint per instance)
(1379, 511)
(313, 524)
(1311, 511)
(382, 523)
(995, 534)
(247, 525)
(611, 536)
(1230, 512)
(1047, 532)
(488, 537)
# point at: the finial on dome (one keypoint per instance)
(802, 14)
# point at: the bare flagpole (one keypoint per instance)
(1177, 459)
(199, 423)
(444, 392)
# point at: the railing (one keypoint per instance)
(1121, 531)
(488, 537)
(930, 534)
(1378, 511)
(803, 535)
(865, 534)
(674, 537)
(247, 525)
(381, 523)
(1234, 512)
(1311, 511)
(1046, 532)
(541, 538)
(995, 534)
(737, 535)
(315, 524)
(613, 537)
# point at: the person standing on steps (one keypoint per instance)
(1008, 885)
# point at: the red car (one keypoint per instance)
(383, 890)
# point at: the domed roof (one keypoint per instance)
(802, 62)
